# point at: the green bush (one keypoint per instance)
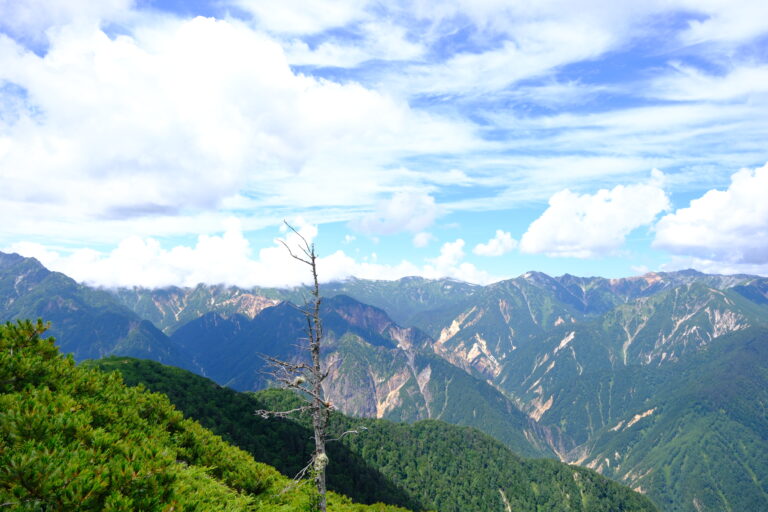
(73, 438)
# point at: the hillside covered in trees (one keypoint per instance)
(73, 438)
(426, 465)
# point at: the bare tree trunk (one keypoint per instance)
(308, 379)
(321, 407)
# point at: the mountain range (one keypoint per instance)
(657, 381)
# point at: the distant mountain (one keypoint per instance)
(169, 308)
(426, 465)
(405, 298)
(377, 368)
(696, 436)
(88, 323)
(596, 362)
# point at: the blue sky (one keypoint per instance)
(163, 142)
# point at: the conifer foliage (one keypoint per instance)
(73, 438)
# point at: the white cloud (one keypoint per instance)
(687, 83)
(229, 259)
(541, 47)
(726, 227)
(178, 123)
(714, 267)
(502, 243)
(451, 253)
(183, 116)
(215, 259)
(404, 211)
(377, 40)
(591, 225)
(303, 16)
(30, 19)
(730, 21)
(422, 239)
(695, 139)
(449, 264)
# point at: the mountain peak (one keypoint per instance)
(688, 272)
(534, 275)
(12, 258)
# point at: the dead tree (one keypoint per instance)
(307, 378)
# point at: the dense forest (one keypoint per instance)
(425, 465)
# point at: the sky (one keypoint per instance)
(165, 142)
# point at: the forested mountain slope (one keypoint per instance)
(86, 322)
(429, 464)
(72, 438)
(699, 439)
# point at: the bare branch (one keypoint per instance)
(348, 432)
(279, 363)
(291, 253)
(298, 477)
(265, 413)
(308, 248)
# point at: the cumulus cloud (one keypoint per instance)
(30, 19)
(449, 264)
(422, 239)
(404, 211)
(591, 225)
(726, 227)
(181, 116)
(229, 258)
(451, 253)
(502, 243)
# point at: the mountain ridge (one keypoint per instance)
(591, 361)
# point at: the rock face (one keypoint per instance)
(169, 308)
(376, 367)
